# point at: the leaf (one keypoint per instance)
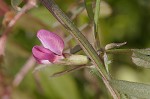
(57, 74)
(143, 51)
(105, 9)
(15, 4)
(96, 18)
(141, 57)
(133, 89)
(89, 9)
(131, 97)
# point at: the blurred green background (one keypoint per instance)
(126, 20)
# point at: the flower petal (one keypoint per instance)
(42, 54)
(51, 41)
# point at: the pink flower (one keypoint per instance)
(52, 49)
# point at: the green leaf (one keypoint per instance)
(105, 9)
(133, 89)
(96, 24)
(141, 57)
(96, 15)
(143, 51)
(96, 20)
(89, 9)
(131, 97)
(16, 3)
(61, 73)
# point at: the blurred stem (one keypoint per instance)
(24, 70)
(96, 22)
(85, 45)
(89, 9)
(76, 10)
(30, 4)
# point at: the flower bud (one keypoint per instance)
(114, 45)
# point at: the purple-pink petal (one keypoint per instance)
(51, 41)
(40, 53)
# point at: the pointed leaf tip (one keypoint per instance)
(51, 41)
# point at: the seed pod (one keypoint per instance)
(76, 60)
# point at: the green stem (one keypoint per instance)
(85, 45)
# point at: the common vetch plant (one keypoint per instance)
(96, 56)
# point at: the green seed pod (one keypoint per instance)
(76, 60)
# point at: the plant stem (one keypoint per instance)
(85, 45)
(24, 70)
